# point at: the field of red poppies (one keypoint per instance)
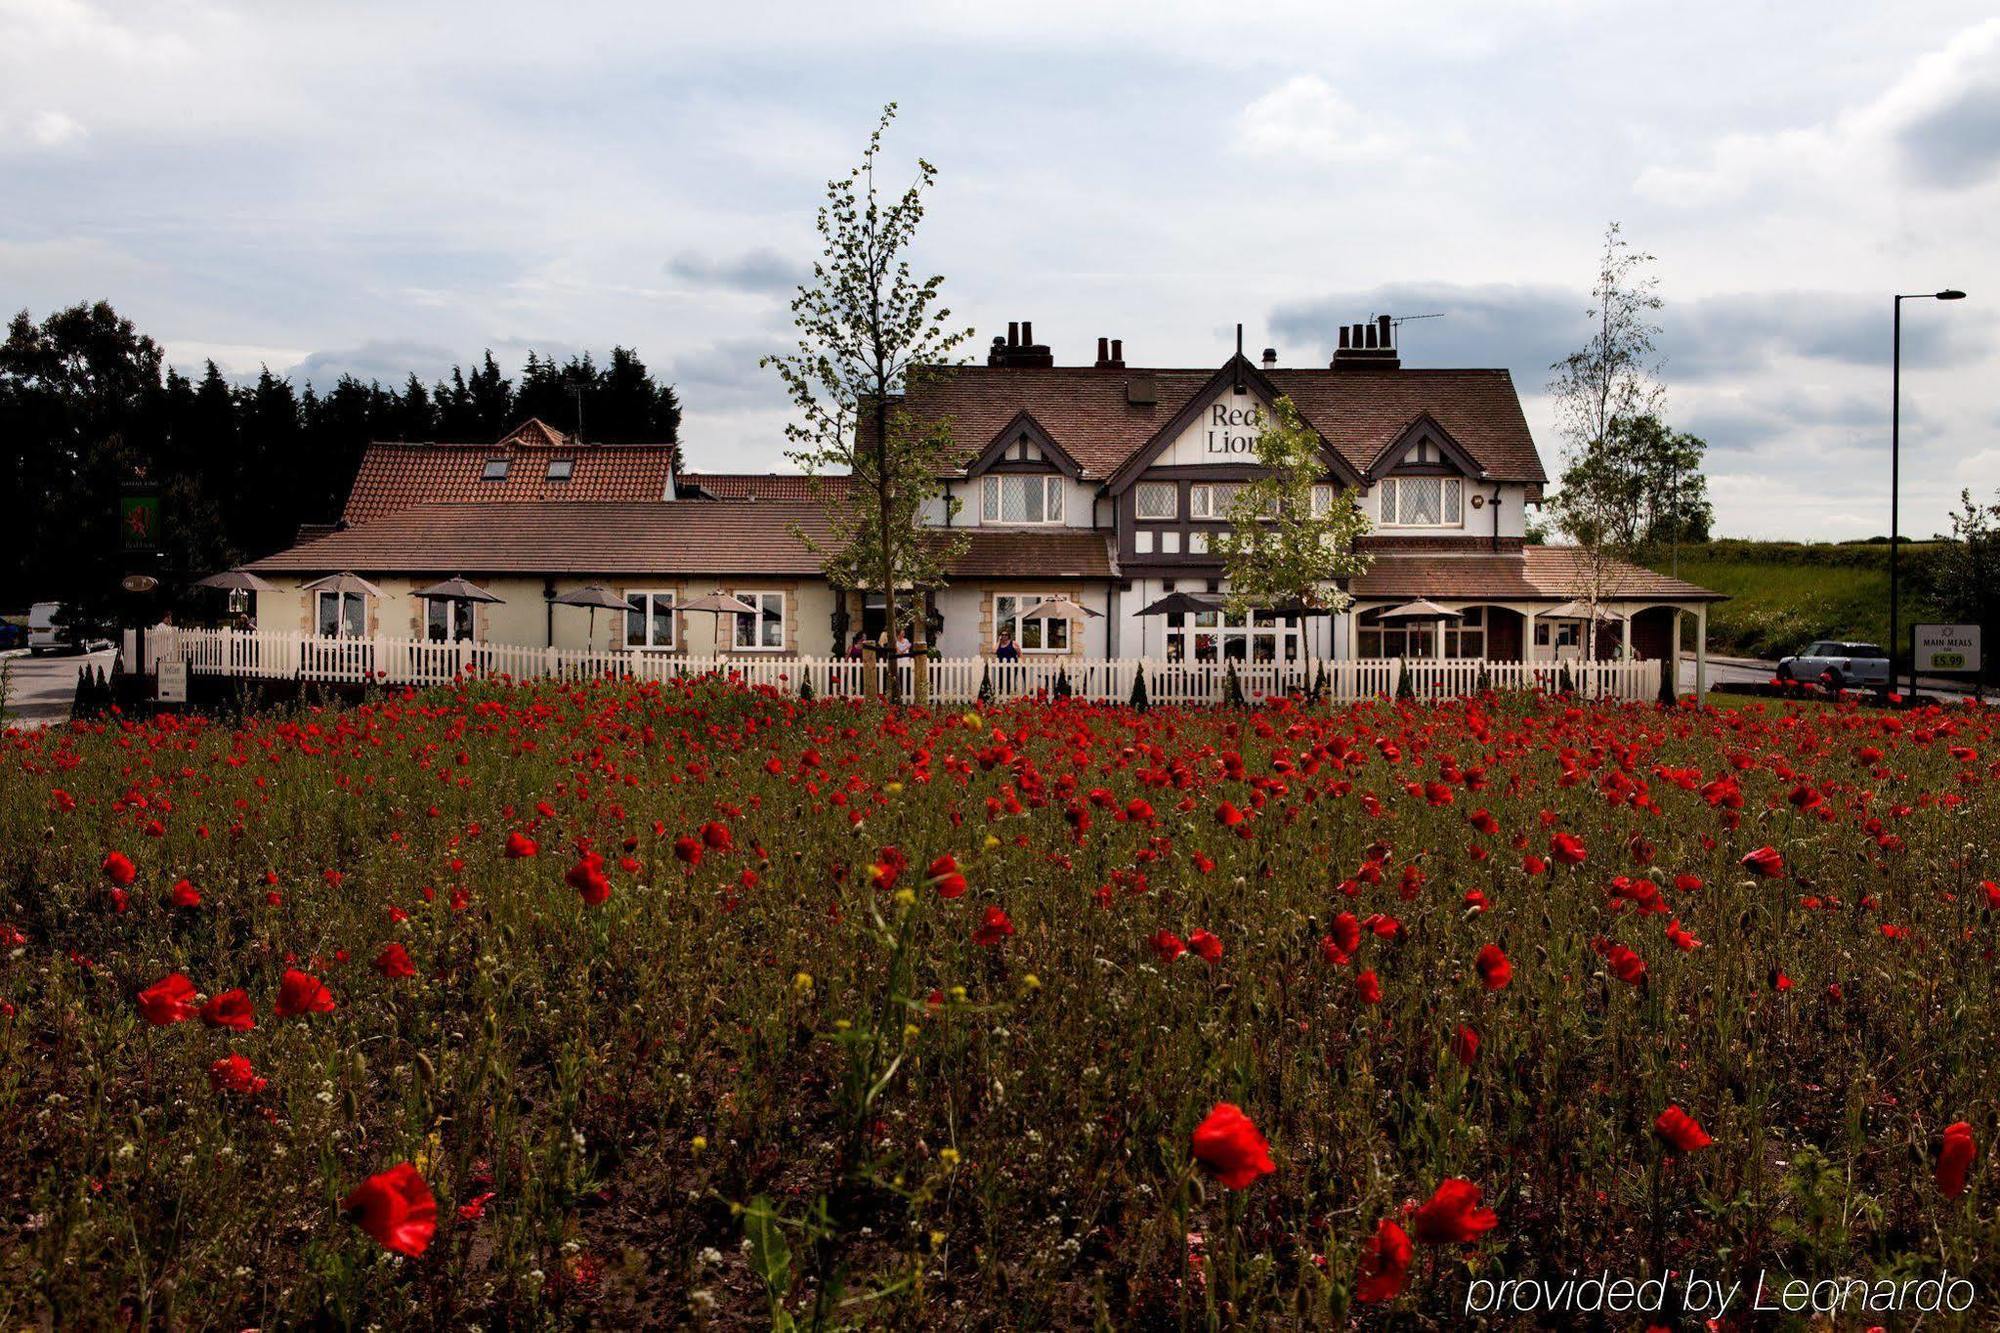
(612, 1005)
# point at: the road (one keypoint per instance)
(1750, 671)
(40, 689)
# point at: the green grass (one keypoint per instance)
(1783, 595)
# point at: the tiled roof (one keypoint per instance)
(759, 485)
(659, 537)
(1361, 412)
(397, 476)
(1538, 573)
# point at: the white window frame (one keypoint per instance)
(653, 596)
(459, 613)
(1009, 612)
(1171, 489)
(1450, 502)
(1209, 501)
(342, 601)
(757, 597)
(1322, 498)
(991, 505)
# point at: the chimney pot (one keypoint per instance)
(1344, 331)
(1388, 330)
(1027, 333)
(1118, 350)
(1270, 357)
(1103, 351)
(1013, 333)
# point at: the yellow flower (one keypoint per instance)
(699, 1143)
(910, 1029)
(841, 1025)
(991, 842)
(958, 992)
(949, 1156)
(937, 1239)
(906, 896)
(971, 719)
(803, 982)
(894, 788)
(1031, 982)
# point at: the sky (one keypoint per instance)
(382, 188)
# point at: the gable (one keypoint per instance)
(1425, 448)
(1022, 445)
(1219, 425)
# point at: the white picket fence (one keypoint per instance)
(277, 655)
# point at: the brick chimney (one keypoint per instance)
(1110, 354)
(1020, 349)
(1370, 346)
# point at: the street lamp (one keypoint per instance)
(1895, 474)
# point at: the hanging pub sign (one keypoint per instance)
(1947, 647)
(139, 517)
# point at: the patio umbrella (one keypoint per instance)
(1421, 609)
(456, 589)
(1577, 610)
(342, 582)
(1193, 603)
(595, 596)
(1060, 608)
(720, 604)
(236, 580)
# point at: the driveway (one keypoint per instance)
(40, 689)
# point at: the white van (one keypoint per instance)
(42, 635)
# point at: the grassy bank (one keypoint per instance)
(1782, 595)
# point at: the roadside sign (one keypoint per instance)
(139, 521)
(173, 680)
(1947, 647)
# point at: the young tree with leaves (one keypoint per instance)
(868, 329)
(1279, 550)
(1613, 379)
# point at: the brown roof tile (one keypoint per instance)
(1361, 413)
(1537, 573)
(397, 476)
(760, 485)
(657, 537)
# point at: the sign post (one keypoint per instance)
(1946, 650)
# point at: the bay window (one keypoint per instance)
(1015, 497)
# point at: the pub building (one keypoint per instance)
(1102, 483)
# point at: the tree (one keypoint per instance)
(1968, 572)
(1281, 550)
(868, 331)
(1614, 378)
(1645, 483)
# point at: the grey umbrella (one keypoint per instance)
(594, 596)
(1060, 608)
(456, 589)
(236, 580)
(342, 582)
(1421, 609)
(720, 604)
(1183, 602)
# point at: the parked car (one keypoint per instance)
(1838, 665)
(12, 635)
(43, 636)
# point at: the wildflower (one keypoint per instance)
(1568, 849)
(184, 894)
(167, 1001)
(715, 836)
(303, 993)
(1465, 1045)
(1954, 1159)
(1680, 1130)
(1385, 1264)
(520, 846)
(1205, 944)
(118, 868)
(687, 850)
(994, 927)
(1453, 1215)
(1764, 863)
(1229, 1147)
(396, 1209)
(475, 1208)
(1167, 946)
(944, 876)
(394, 961)
(1626, 965)
(231, 1009)
(1369, 987)
(1494, 969)
(232, 1073)
(587, 877)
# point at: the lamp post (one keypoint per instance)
(1895, 474)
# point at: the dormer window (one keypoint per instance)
(1013, 497)
(1422, 502)
(496, 470)
(560, 468)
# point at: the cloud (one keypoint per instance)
(53, 129)
(1522, 328)
(725, 373)
(759, 271)
(389, 360)
(1305, 119)
(1729, 334)
(1937, 126)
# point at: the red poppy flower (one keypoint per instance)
(1680, 1130)
(396, 1208)
(303, 993)
(1229, 1147)
(1954, 1159)
(587, 877)
(1626, 965)
(1369, 987)
(1494, 969)
(715, 836)
(1568, 849)
(994, 927)
(1384, 1265)
(1205, 944)
(475, 1208)
(1167, 945)
(232, 1073)
(1453, 1215)
(1228, 815)
(168, 1000)
(118, 868)
(1465, 1045)
(394, 961)
(520, 846)
(231, 1009)
(944, 876)
(1764, 862)
(687, 848)
(184, 894)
